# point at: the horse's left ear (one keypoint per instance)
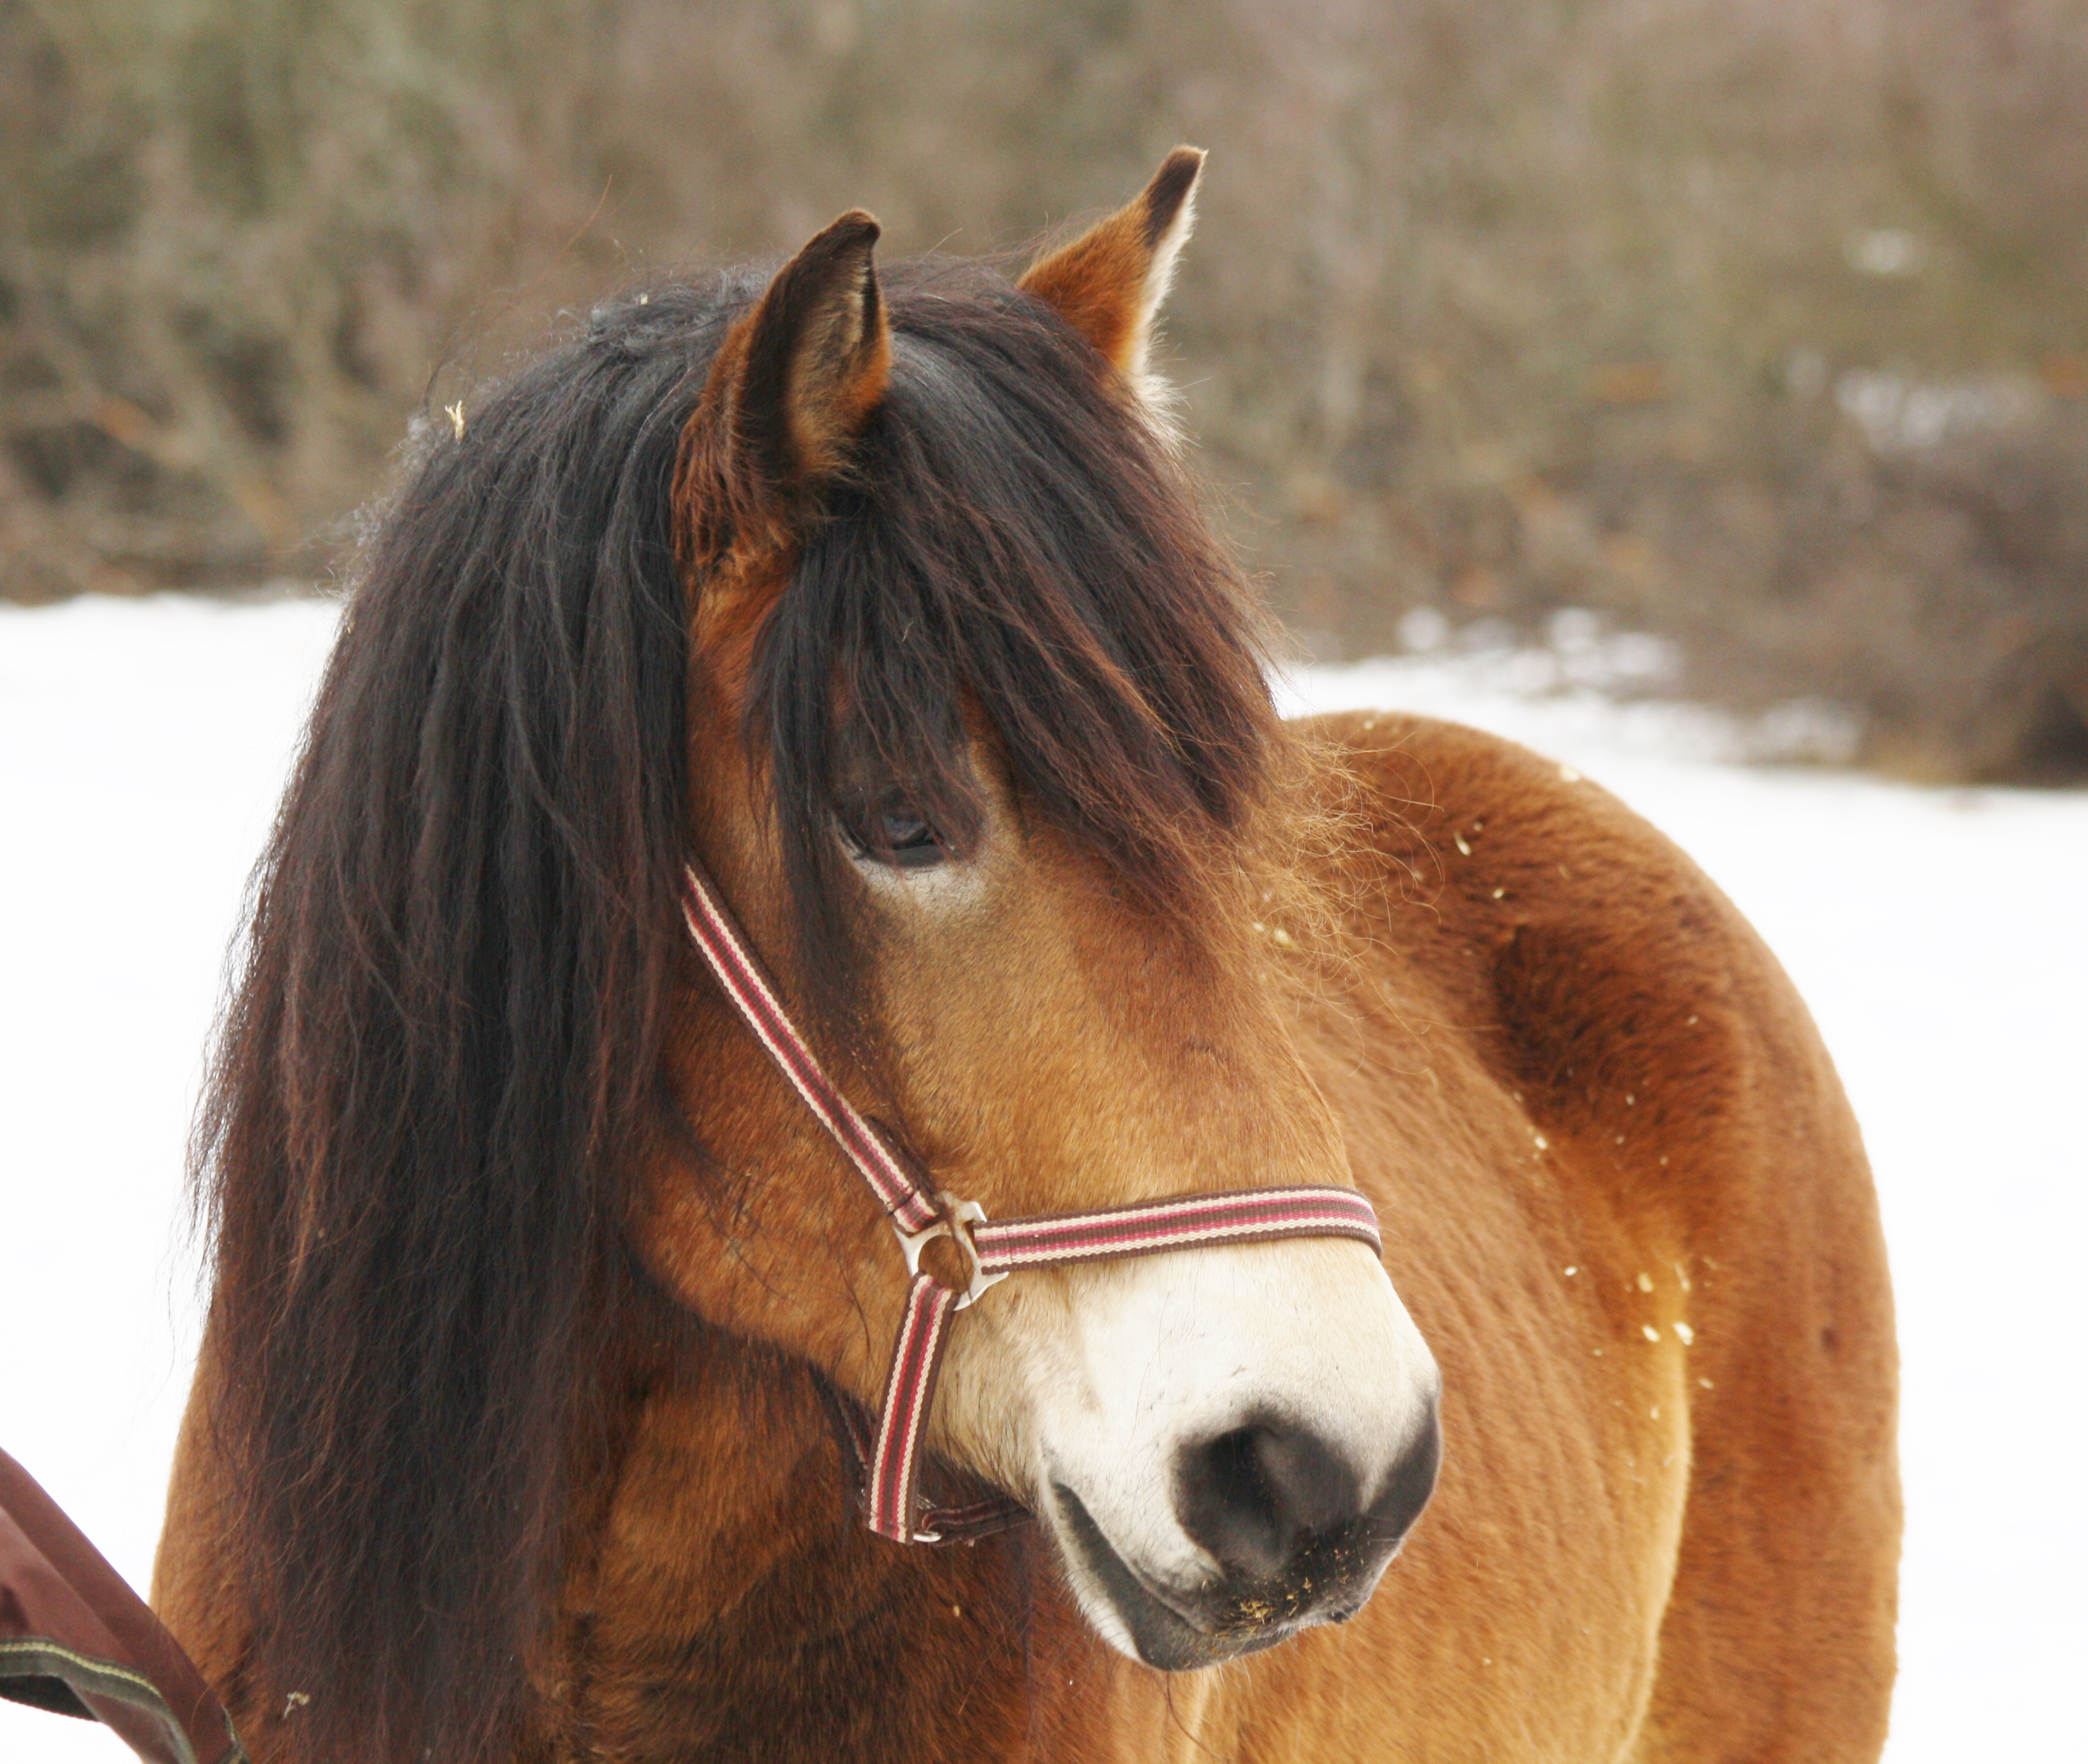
(790, 388)
(1109, 283)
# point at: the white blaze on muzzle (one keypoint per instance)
(1245, 1434)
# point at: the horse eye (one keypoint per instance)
(889, 828)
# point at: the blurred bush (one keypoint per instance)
(1760, 325)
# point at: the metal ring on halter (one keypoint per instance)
(954, 1213)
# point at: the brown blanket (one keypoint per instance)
(77, 1641)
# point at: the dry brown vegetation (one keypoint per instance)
(1760, 324)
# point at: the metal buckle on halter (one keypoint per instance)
(954, 1213)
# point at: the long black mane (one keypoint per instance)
(444, 1047)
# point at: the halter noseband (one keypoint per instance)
(992, 1250)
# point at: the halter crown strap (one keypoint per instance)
(893, 1506)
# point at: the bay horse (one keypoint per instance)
(546, 1312)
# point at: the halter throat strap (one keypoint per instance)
(993, 1248)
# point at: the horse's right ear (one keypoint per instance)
(790, 388)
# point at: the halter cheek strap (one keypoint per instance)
(992, 1249)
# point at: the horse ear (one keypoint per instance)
(1109, 283)
(791, 386)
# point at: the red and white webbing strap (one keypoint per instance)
(1187, 1222)
(890, 1502)
(740, 973)
(993, 1249)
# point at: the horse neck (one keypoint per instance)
(724, 1599)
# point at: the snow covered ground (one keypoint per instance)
(1941, 936)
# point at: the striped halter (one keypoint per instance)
(993, 1249)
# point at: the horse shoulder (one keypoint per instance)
(1628, 1203)
(1600, 978)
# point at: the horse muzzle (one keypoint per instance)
(1240, 1447)
(1280, 1516)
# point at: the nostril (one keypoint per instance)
(1253, 1496)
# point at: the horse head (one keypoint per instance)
(979, 750)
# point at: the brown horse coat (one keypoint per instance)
(1640, 1549)
(1622, 1198)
